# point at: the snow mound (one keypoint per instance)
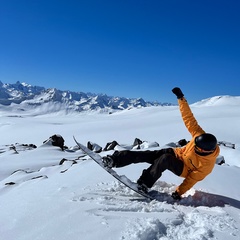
(219, 101)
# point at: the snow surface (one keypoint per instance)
(41, 199)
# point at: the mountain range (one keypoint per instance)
(24, 97)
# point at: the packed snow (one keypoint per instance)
(47, 193)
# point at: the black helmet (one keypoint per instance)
(206, 141)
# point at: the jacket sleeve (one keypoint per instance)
(188, 118)
(194, 177)
(189, 182)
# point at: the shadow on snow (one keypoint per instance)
(199, 199)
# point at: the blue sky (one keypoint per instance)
(130, 48)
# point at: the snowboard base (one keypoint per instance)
(151, 195)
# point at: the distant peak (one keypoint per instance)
(30, 98)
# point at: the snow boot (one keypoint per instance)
(141, 186)
(108, 162)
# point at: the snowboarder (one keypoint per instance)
(193, 162)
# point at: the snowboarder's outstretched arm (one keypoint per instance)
(197, 165)
(187, 115)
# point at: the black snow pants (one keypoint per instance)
(160, 160)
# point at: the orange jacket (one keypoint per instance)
(196, 167)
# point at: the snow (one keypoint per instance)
(41, 199)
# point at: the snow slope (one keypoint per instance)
(41, 199)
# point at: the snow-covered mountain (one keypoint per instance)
(24, 97)
(219, 101)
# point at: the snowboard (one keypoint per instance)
(151, 195)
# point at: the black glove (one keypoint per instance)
(176, 196)
(178, 92)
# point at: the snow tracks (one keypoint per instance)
(136, 218)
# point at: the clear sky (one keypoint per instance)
(127, 48)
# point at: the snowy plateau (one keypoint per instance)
(50, 194)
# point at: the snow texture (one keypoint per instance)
(47, 193)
